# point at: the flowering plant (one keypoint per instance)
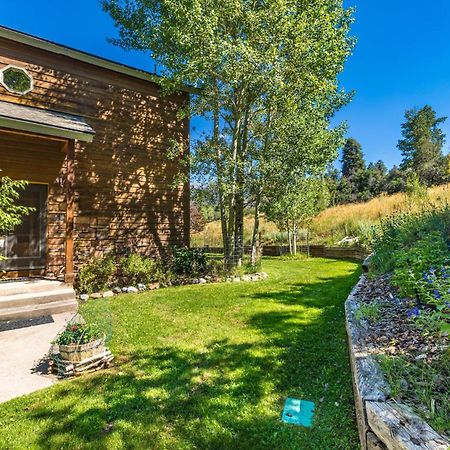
(433, 289)
(78, 333)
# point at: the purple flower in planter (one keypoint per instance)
(432, 270)
(414, 312)
(436, 294)
(446, 303)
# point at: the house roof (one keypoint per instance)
(42, 121)
(79, 55)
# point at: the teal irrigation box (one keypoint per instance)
(298, 412)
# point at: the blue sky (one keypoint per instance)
(402, 59)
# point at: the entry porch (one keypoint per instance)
(39, 146)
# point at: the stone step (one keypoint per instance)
(30, 285)
(36, 298)
(39, 310)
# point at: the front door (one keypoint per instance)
(25, 247)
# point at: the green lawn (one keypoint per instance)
(209, 367)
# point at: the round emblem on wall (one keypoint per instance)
(16, 79)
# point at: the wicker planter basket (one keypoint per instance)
(77, 352)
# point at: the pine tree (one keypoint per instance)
(376, 178)
(422, 144)
(352, 158)
(395, 181)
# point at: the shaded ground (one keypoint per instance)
(209, 367)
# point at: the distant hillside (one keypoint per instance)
(331, 225)
(351, 220)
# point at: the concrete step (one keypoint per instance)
(36, 298)
(39, 310)
(30, 285)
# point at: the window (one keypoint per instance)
(16, 80)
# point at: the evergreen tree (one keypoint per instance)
(331, 178)
(422, 144)
(352, 158)
(395, 181)
(345, 194)
(353, 185)
(376, 178)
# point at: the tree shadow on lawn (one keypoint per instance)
(228, 395)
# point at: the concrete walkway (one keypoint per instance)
(22, 347)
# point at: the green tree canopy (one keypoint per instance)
(297, 205)
(11, 212)
(352, 158)
(422, 144)
(266, 77)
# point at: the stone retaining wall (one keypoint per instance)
(382, 422)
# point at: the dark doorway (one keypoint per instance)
(25, 246)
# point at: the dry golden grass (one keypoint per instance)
(345, 220)
(212, 234)
(333, 223)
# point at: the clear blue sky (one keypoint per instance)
(402, 59)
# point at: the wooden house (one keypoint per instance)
(92, 138)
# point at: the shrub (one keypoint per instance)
(411, 263)
(135, 269)
(96, 275)
(404, 237)
(415, 248)
(189, 261)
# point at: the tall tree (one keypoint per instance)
(331, 178)
(375, 178)
(422, 144)
(266, 73)
(352, 158)
(395, 181)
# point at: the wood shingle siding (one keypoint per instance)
(124, 194)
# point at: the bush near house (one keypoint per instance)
(134, 269)
(183, 263)
(96, 276)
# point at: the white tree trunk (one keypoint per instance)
(307, 242)
(294, 238)
(289, 238)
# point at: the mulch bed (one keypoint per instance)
(394, 332)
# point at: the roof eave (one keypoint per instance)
(46, 130)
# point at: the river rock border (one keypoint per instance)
(382, 422)
(207, 279)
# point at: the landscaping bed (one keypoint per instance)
(398, 319)
(118, 274)
(398, 371)
(209, 367)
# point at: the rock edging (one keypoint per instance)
(382, 423)
(207, 279)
